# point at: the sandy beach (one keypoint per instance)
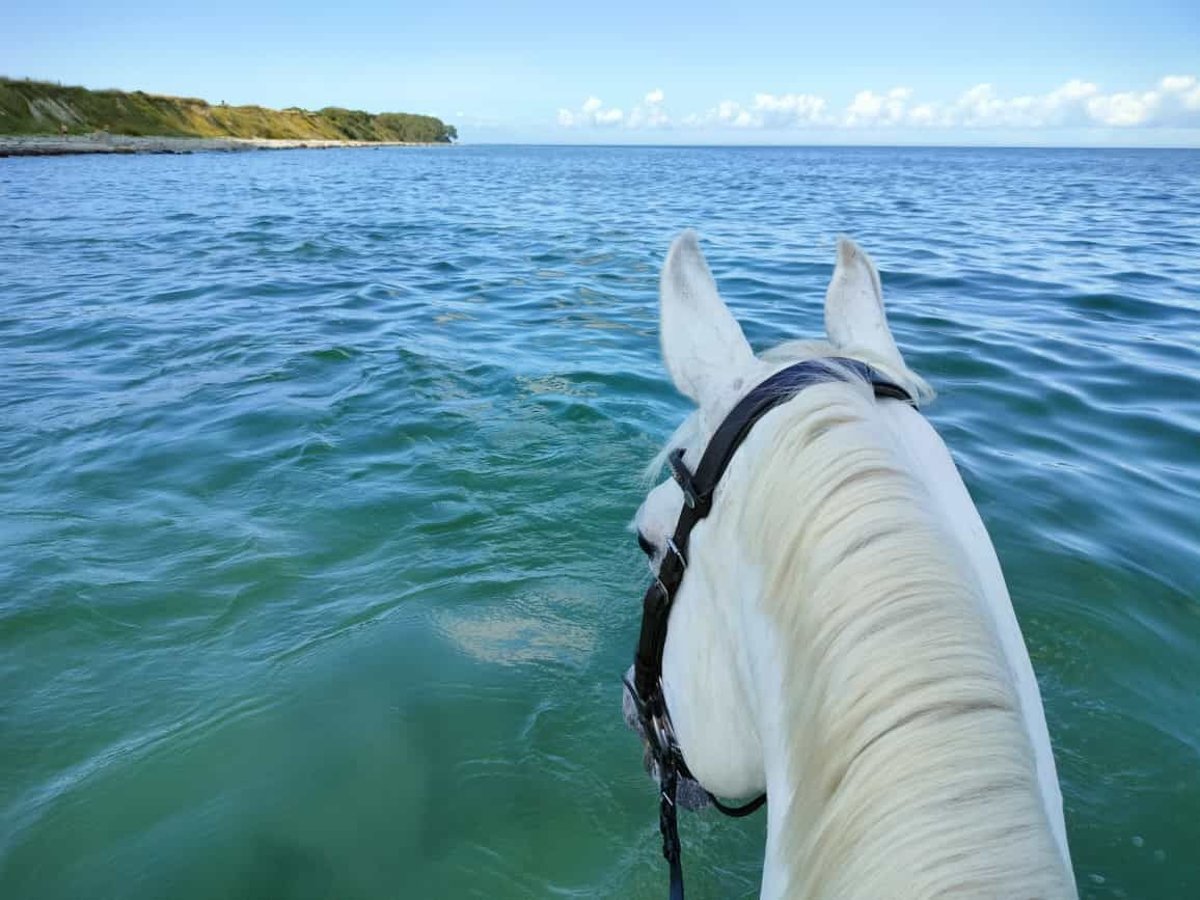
(52, 145)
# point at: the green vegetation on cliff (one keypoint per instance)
(38, 107)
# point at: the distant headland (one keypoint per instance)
(42, 118)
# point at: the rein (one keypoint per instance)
(698, 490)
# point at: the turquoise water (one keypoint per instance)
(315, 469)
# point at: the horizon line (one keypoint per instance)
(821, 146)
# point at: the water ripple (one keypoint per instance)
(316, 471)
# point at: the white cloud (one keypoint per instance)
(729, 113)
(929, 114)
(1183, 90)
(982, 107)
(1077, 103)
(1125, 109)
(593, 113)
(1075, 89)
(870, 108)
(1173, 101)
(765, 111)
(788, 110)
(650, 114)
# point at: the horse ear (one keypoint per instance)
(703, 346)
(854, 316)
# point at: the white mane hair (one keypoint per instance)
(916, 776)
(916, 763)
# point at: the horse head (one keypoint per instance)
(838, 626)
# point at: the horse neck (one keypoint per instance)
(896, 761)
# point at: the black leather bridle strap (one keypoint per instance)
(739, 812)
(698, 489)
(668, 826)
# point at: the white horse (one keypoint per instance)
(843, 638)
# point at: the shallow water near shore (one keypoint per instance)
(316, 469)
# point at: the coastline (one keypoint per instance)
(71, 144)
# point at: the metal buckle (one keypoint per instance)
(672, 548)
(662, 590)
(662, 734)
(664, 729)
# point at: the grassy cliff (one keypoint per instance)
(38, 107)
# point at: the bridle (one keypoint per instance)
(698, 489)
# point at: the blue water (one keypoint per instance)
(315, 469)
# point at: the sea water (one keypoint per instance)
(316, 469)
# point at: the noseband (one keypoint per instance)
(698, 489)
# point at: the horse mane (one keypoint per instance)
(914, 775)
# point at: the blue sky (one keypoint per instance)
(667, 72)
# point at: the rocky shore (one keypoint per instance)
(52, 145)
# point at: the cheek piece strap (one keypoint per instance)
(645, 690)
